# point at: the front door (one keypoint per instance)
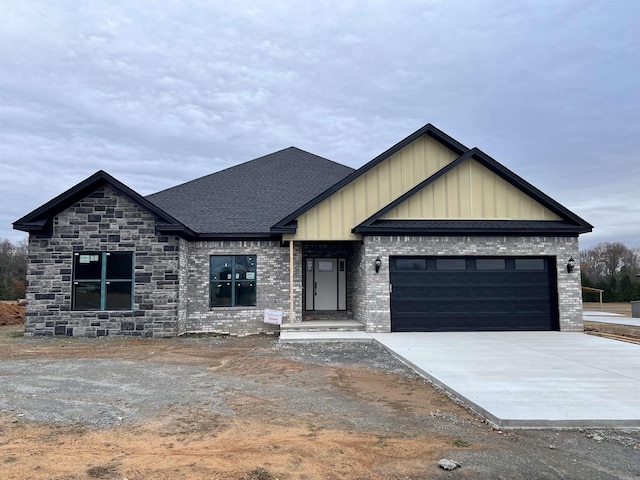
(325, 284)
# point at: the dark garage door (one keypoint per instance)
(441, 294)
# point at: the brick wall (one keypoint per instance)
(272, 288)
(373, 307)
(104, 221)
(358, 284)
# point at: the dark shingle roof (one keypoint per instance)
(251, 197)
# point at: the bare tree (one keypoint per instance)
(605, 260)
(13, 269)
(612, 267)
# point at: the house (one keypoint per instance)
(428, 236)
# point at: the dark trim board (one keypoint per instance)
(473, 293)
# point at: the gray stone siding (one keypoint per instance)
(373, 308)
(358, 283)
(272, 288)
(104, 221)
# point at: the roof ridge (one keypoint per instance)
(244, 164)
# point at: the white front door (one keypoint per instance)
(325, 284)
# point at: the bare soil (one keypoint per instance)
(254, 409)
(11, 313)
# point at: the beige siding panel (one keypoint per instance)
(453, 194)
(500, 198)
(408, 177)
(464, 189)
(415, 206)
(348, 213)
(419, 162)
(471, 191)
(324, 220)
(488, 184)
(334, 217)
(440, 198)
(360, 195)
(403, 210)
(302, 225)
(476, 189)
(384, 183)
(372, 199)
(395, 175)
(312, 222)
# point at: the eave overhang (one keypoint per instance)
(471, 227)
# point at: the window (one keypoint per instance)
(530, 264)
(491, 264)
(419, 264)
(103, 281)
(233, 281)
(451, 264)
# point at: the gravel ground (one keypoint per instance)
(114, 383)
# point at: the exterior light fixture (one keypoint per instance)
(571, 264)
(377, 264)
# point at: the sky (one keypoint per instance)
(158, 93)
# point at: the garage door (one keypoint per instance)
(438, 294)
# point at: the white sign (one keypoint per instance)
(273, 316)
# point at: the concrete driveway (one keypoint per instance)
(530, 379)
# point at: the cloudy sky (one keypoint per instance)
(157, 93)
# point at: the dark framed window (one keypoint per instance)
(103, 280)
(491, 264)
(232, 281)
(451, 264)
(412, 264)
(536, 264)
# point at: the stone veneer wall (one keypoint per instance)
(106, 220)
(272, 288)
(373, 307)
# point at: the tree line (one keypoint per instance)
(13, 269)
(614, 268)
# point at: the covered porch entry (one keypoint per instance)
(328, 283)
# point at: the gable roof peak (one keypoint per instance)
(39, 220)
(284, 224)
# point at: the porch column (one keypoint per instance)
(291, 306)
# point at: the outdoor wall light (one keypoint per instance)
(377, 264)
(571, 264)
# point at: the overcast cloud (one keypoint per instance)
(157, 93)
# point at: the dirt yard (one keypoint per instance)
(11, 313)
(253, 409)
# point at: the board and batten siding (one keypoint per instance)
(335, 216)
(471, 191)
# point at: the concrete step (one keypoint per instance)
(323, 326)
(292, 336)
